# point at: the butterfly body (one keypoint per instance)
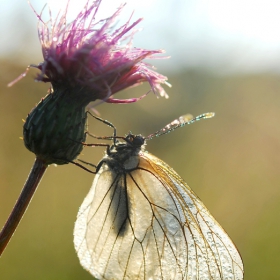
(140, 220)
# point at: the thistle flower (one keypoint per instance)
(93, 57)
(84, 60)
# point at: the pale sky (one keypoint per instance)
(226, 35)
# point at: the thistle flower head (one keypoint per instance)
(92, 58)
(84, 60)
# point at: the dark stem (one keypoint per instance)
(22, 203)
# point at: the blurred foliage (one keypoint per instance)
(230, 161)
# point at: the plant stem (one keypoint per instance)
(22, 203)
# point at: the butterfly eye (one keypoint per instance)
(138, 141)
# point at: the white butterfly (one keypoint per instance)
(140, 220)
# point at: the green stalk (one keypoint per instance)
(22, 203)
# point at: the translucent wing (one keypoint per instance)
(148, 224)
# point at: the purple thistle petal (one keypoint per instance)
(89, 55)
(126, 101)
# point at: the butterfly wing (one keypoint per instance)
(210, 252)
(97, 233)
(148, 224)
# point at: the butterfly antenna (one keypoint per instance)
(181, 121)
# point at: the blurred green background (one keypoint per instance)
(230, 161)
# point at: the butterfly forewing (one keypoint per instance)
(212, 244)
(146, 223)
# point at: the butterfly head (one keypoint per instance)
(135, 141)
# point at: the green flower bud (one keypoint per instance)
(55, 129)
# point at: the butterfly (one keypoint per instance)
(140, 220)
